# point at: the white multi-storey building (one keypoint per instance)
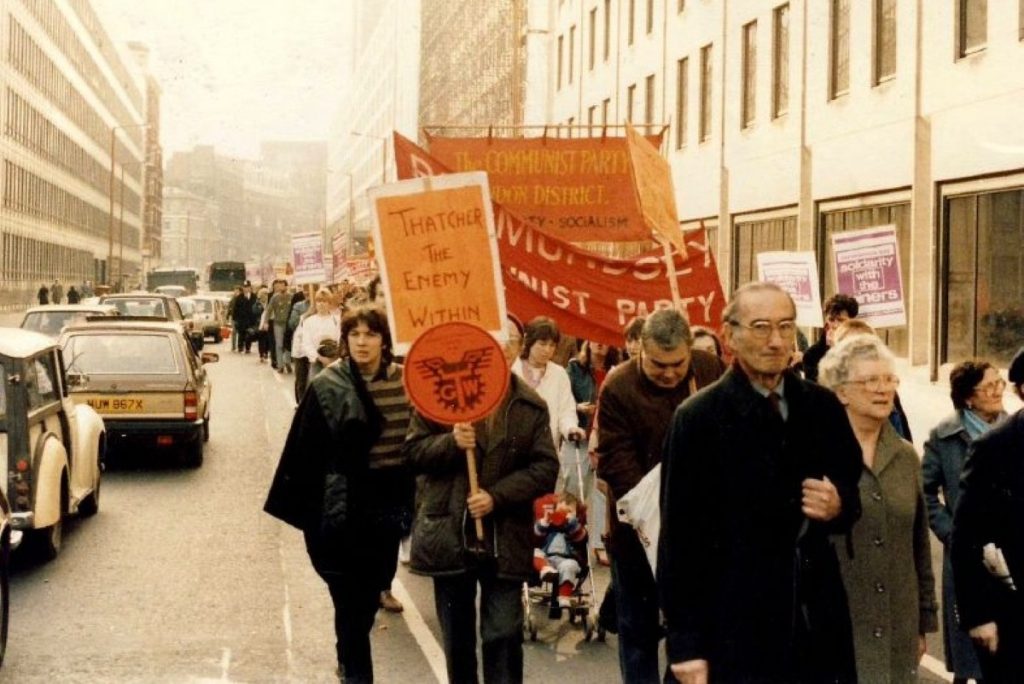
(71, 98)
(790, 121)
(382, 95)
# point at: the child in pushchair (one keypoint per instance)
(561, 563)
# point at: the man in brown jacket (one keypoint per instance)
(635, 408)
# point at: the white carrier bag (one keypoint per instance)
(640, 508)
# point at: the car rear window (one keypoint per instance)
(121, 354)
(139, 307)
(51, 322)
(203, 305)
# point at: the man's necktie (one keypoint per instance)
(775, 400)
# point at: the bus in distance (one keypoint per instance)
(187, 278)
(225, 276)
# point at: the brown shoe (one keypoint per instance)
(389, 603)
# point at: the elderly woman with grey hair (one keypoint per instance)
(887, 565)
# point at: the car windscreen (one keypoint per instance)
(121, 354)
(139, 307)
(51, 322)
(202, 305)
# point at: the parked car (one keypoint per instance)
(52, 448)
(146, 381)
(171, 290)
(149, 305)
(50, 319)
(209, 314)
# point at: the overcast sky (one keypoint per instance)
(237, 72)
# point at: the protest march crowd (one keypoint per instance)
(778, 526)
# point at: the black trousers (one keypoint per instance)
(501, 626)
(355, 592)
(301, 365)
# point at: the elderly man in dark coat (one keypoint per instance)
(752, 487)
(988, 543)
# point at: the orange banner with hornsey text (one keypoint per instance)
(590, 296)
(577, 189)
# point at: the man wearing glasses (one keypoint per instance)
(634, 409)
(758, 470)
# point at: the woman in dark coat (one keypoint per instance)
(988, 543)
(977, 393)
(343, 481)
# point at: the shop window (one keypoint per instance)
(754, 237)
(984, 280)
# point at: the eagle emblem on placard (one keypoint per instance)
(459, 385)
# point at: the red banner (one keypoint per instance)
(590, 296)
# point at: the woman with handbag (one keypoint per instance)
(343, 481)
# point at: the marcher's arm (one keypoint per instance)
(539, 475)
(842, 466)
(430, 447)
(618, 463)
(928, 620)
(568, 420)
(940, 518)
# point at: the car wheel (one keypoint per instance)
(90, 505)
(5, 593)
(50, 539)
(193, 455)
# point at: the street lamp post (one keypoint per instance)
(110, 214)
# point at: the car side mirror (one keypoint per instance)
(210, 357)
(76, 379)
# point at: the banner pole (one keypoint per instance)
(670, 270)
(474, 487)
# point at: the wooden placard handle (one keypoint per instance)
(474, 487)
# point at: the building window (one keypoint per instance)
(650, 16)
(984, 276)
(839, 48)
(631, 22)
(630, 100)
(897, 214)
(558, 77)
(885, 40)
(592, 40)
(972, 26)
(606, 106)
(749, 103)
(572, 51)
(780, 61)
(607, 29)
(649, 101)
(705, 92)
(754, 237)
(682, 86)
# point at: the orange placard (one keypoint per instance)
(577, 189)
(456, 373)
(438, 255)
(652, 176)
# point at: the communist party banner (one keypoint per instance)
(575, 189)
(590, 296)
(434, 240)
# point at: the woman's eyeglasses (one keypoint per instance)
(994, 387)
(877, 383)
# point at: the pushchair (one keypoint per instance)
(542, 591)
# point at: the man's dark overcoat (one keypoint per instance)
(747, 582)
